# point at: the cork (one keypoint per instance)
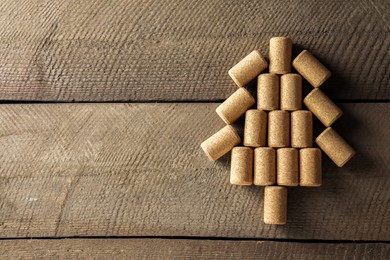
(235, 106)
(280, 49)
(301, 129)
(291, 92)
(275, 205)
(278, 128)
(264, 166)
(338, 150)
(287, 167)
(322, 107)
(220, 143)
(248, 68)
(255, 128)
(241, 171)
(268, 92)
(311, 69)
(310, 167)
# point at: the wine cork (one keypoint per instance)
(291, 92)
(241, 172)
(322, 107)
(287, 167)
(268, 92)
(311, 69)
(235, 106)
(278, 128)
(221, 142)
(264, 166)
(255, 128)
(338, 150)
(280, 49)
(310, 167)
(301, 129)
(275, 205)
(248, 68)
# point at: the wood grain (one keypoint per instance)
(142, 50)
(187, 249)
(138, 170)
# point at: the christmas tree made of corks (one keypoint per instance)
(277, 149)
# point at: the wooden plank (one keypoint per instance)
(149, 248)
(144, 50)
(138, 170)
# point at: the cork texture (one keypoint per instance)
(248, 68)
(264, 166)
(291, 92)
(275, 205)
(278, 128)
(301, 129)
(235, 106)
(310, 167)
(241, 172)
(255, 129)
(311, 68)
(221, 142)
(287, 167)
(338, 150)
(322, 107)
(268, 92)
(280, 49)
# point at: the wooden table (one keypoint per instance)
(105, 104)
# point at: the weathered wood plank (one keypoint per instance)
(187, 249)
(171, 50)
(138, 170)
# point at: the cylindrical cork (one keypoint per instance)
(248, 68)
(221, 142)
(338, 150)
(310, 167)
(264, 166)
(301, 129)
(322, 107)
(287, 167)
(235, 106)
(280, 49)
(255, 129)
(278, 128)
(268, 92)
(275, 205)
(311, 69)
(241, 171)
(291, 92)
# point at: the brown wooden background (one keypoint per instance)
(120, 174)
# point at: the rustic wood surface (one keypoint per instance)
(137, 170)
(140, 50)
(187, 249)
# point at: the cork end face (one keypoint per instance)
(298, 58)
(222, 116)
(322, 81)
(328, 124)
(319, 137)
(202, 145)
(234, 132)
(233, 77)
(347, 159)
